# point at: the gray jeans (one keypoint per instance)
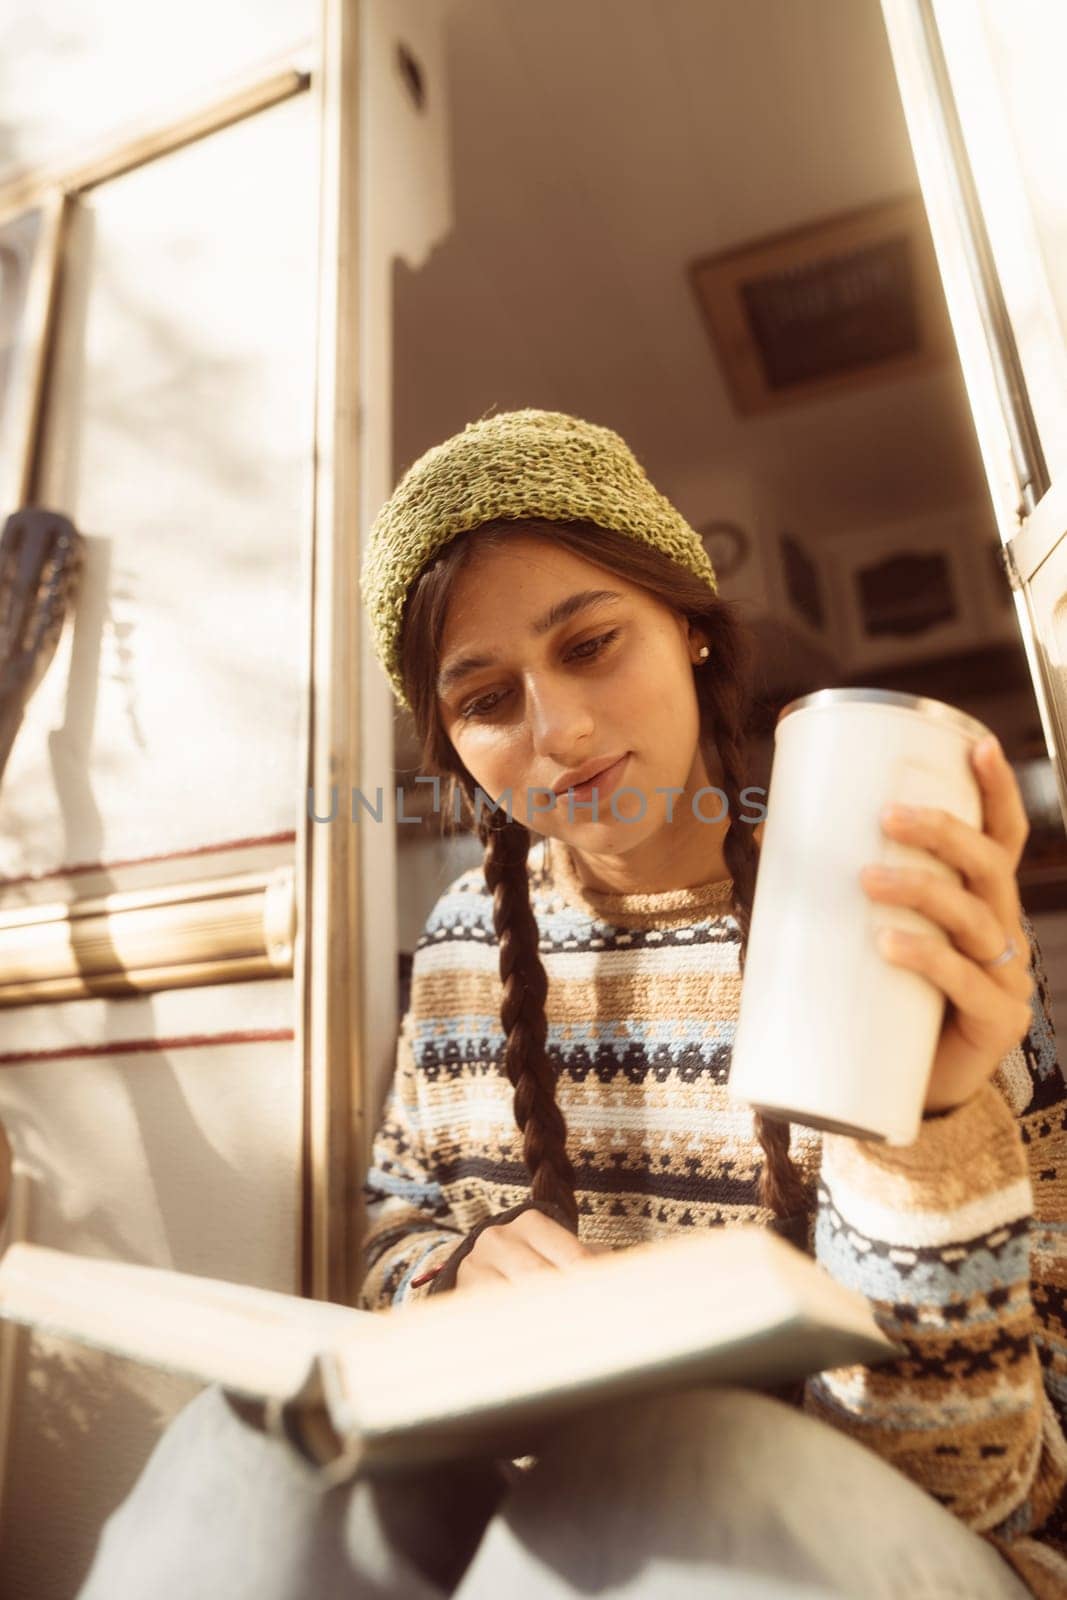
(710, 1492)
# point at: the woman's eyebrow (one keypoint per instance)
(450, 675)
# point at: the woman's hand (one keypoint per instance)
(989, 1007)
(528, 1243)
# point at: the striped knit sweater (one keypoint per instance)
(959, 1241)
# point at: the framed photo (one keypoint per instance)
(29, 261)
(853, 300)
(907, 592)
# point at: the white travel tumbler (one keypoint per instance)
(831, 1032)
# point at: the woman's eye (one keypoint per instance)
(588, 650)
(477, 708)
(600, 643)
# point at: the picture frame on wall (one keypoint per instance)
(30, 246)
(907, 592)
(852, 300)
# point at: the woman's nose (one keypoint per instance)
(560, 718)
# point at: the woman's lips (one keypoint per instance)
(605, 783)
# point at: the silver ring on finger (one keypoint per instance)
(1009, 952)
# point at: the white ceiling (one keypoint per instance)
(598, 147)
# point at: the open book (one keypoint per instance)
(473, 1371)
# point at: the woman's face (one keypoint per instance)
(611, 680)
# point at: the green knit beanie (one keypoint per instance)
(516, 464)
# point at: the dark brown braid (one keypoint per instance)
(781, 1188)
(522, 1013)
(722, 685)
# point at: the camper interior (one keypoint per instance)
(625, 185)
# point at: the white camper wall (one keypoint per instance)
(167, 743)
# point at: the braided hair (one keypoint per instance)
(722, 688)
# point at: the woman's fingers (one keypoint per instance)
(557, 1244)
(983, 861)
(530, 1242)
(995, 1019)
(969, 920)
(500, 1259)
(1003, 812)
(979, 908)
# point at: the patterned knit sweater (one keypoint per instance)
(959, 1240)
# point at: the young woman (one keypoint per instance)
(560, 1088)
(561, 1077)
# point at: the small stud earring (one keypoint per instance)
(704, 652)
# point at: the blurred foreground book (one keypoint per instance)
(474, 1371)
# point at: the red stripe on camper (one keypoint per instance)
(125, 1047)
(137, 861)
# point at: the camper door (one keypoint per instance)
(981, 86)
